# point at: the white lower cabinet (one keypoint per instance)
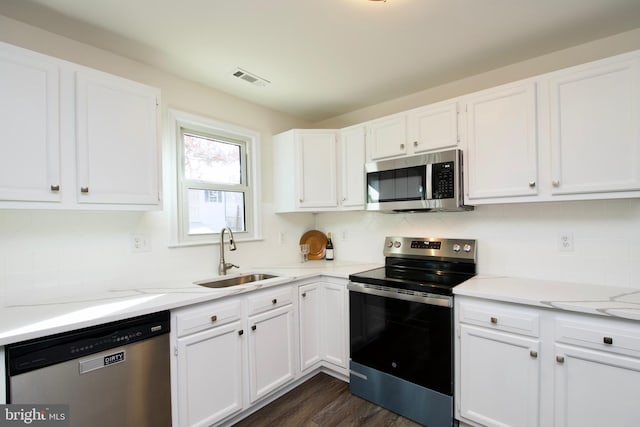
(574, 370)
(323, 325)
(230, 353)
(270, 351)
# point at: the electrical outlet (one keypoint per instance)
(345, 235)
(140, 243)
(565, 242)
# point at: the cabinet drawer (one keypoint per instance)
(206, 316)
(497, 316)
(269, 299)
(604, 334)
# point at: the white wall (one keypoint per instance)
(516, 240)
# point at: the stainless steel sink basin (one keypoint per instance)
(235, 281)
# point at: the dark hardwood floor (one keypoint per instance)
(323, 401)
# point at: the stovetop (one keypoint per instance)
(424, 264)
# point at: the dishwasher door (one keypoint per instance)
(126, 385)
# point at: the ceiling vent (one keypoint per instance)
(250, 77)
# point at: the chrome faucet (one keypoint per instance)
(224, 266)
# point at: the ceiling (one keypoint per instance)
(324, 58)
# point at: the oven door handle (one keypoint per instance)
(402, 294)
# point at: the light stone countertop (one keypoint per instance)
(618, 302)
(58, 310)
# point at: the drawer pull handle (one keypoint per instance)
(494, 320)
(274, 301)
(254, 327)
(55, 188)
(607, 340)
(532, 184)
(560, 359)
(533, 354)
(240, 332)
(84, 190)
(214, 318)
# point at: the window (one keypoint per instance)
(214, 169)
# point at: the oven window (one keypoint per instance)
(396, 185)
(409, 340)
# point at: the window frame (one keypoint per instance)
(182, 122)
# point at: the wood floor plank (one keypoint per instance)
(323, 401)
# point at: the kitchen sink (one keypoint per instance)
(235, 281)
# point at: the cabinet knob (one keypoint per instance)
(533, 354)
(560, 359)
(274, 301)
(254, 327)
(415, 143)
(84, 189)
(494, 320)
(214, 318)
(402, 146)
(555, 183)
(240, 332)
(55, 188)
(304, 295)
(532, 184)
(607, 340)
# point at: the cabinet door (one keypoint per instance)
(595, 388)
(499, 377)
(387, 137)
(334, 324)
(317, 169)
(29, 126)
(433, 127)
(117, 142)
(210, 375)
(270, 351)
(352, 159)
(595, 128)
(311, 327)
(502, 143)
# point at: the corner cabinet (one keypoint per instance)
(523, 366)
(323, 325)
(75, 138)
(313, 172)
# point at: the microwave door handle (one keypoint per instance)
(429, 195)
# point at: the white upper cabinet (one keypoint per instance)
(117, 140)
(351, 167)
(305, 170)
(29, 126)
(387, 137)
(433, 127)
(502, 147)
(429, 128)
(75, 138)
(595, 127)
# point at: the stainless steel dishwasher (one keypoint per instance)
(116, 374)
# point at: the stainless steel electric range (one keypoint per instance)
(401, 327)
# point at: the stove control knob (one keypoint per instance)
(466, 248)
(456, 248)
(390, 243)
(397, 244)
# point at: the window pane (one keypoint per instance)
(210, 160)
(212, 210)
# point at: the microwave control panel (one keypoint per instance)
(443, 180)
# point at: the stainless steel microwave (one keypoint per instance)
(426, 182)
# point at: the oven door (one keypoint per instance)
(406, 335)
